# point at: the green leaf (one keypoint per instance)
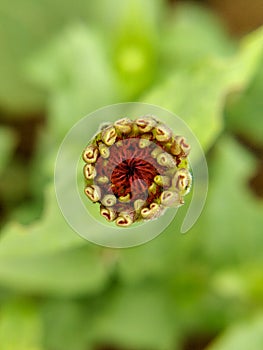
(48, 257)
(25, 27)
(20, 326)
(242, 336)
(197, 96)
(196, 93)
(137, 317)
(74, 69)
(244, 65)
(7, 143)
(244, 110)
(192, 33)
(67, 324)
(134, 43)
(237, 239)
(73, 272)
(48, 235)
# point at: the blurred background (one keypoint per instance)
(60, 60)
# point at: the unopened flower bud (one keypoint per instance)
(144, 143)
(136, 169)
(109, 200)
(102, 180)
(165, 159)
(156, 152)
(162, 180)
(138, 204)
(170, 199)
(108, 213)
(109, 135)
(104, 150)
(123, 125)
(182, 181)
(124, 220)
(180, 146)
(93, 192)
(185, 147)
(152, 188)
(90, 154)
(125, 199)
(89, 171)
(145, 124)
(152, 212)
(162, 133)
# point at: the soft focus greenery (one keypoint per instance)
(64, 59)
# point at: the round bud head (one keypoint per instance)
(135, 169)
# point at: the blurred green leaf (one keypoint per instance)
(244, 65)
(197, 92)
(138, 317)
(20, 326)
(7, 143)
(238, 238)
(192, 33)
(72, 272)
(48, 235)
(75, 71)
(209, 270)
(207, 245)
(240, 337)
(196, 95)
(135, 44)
(48, 257)
(67, 324)
(25, 27)
(244, 110)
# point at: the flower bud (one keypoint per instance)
(89, 171)
(109, 135)
(162, 180)
(93, 192)
(104, 150)
(144, 143)
(145, 124)
(102, 180)
(90, 154)
(124, 220)
(136, 169)
(109, 200)
(162, 133)
(180, 146)
(125, 199)
(108, 213)
(182, 181)
(165, 159)
(170, 199)
(185, 147)
(156, 152)
(138, 204)
(152, 212)
(152, 188)
(124, 125)
(175, 148)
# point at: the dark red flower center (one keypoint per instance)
(131, 171)
(132, 176)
